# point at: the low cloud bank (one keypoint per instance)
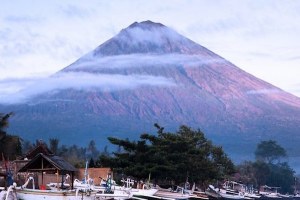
(16, 91)
(89, 62)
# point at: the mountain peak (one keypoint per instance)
(146, 25)
(147, 37)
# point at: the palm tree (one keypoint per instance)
(10, 145)
(4, 124)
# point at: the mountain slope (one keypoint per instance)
(158, 76)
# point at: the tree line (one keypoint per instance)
(269, 168)
(169, 158)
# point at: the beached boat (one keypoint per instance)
(171, 195)
(82, 193)
(58, 191)
(269, 192)
(240, 189)
(33, 193)
(37, 194)
(213, 192)
(139, 188)
(106, 190)
(199, 195)
(8, 193)
(177, 193)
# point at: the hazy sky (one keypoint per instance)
(38, 38)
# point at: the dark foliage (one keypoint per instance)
(170, 156)
(264, 172)
(269, 151)
(10, 145)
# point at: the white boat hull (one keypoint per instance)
(171, 195)
(31, 194)
(143, 192)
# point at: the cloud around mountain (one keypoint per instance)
(92, 63)
(15, 91)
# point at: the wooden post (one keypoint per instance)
(62, 180)
(5, 184)
(42, 170)
(72, 180)
(57, 184)
(42, 177)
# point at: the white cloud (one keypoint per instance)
(14, 91)
(90, 63)
(155, 36)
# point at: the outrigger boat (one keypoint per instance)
(107, 188)
(269, 192)
(217, 193)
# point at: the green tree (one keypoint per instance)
(262, 172)
(170, 156)
(53, 143)
(281, 175)
(269, 151)
(4, 124)
(92, 149)
(91, 163)
(269, 172)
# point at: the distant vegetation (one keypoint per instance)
(168, 158)
(268, 168)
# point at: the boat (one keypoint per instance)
(199, 195)
(9, 193)
(176, 193)
(240, 189)
(269, 192)
(212, 192)
(194, 193)
(25, 193)
(82, 193)
(108, 189)
(223, 193)
(60, 191)
(37, 194)
(171, 195)
(116, 195)
(139, 188)
(61, 185)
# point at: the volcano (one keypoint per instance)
(148, 73)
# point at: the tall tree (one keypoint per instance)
(53, 143)
(92, 149)
(269, 151)
(91, 163)
(4, 124)
(170, 156)
(270, 172)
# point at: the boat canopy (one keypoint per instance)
(44, 163)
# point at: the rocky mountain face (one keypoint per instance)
(156, 75)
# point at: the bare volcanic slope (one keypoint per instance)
(147, 74)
